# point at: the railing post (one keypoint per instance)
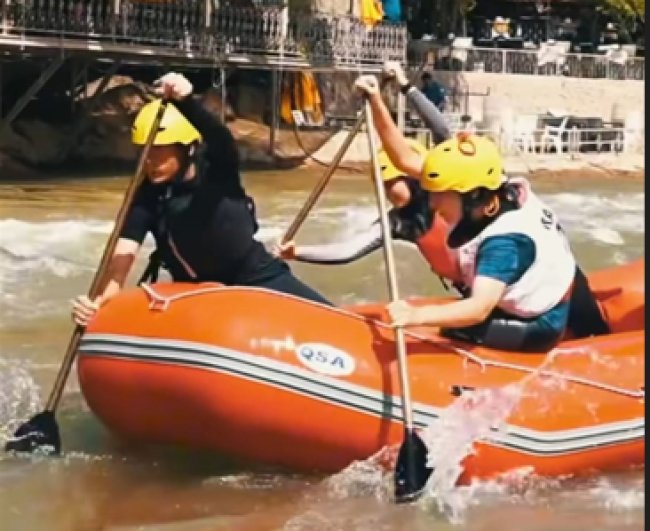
(208, 13)
(224, 95)
(503, 61)
(275, 101)
(574, 140)
(3, 16)
(284, 22)
(119, 24)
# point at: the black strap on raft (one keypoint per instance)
(585, 318)
(153, 268)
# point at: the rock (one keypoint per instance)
(99, 130)
(357, 152)
(212, 101)
(102, 131)
(36, 143)
(11, 169)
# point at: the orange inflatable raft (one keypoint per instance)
(271, 378)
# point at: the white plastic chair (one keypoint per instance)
(552, 136)
(460, 47)
(522, 135)
(553, 52)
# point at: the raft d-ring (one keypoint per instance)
(159, 305)
(158, 302)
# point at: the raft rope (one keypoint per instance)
(160, 302)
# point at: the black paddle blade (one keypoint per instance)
(411, 472)
(41, 432)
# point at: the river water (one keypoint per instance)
(51, 237)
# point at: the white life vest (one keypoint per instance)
(549, 277)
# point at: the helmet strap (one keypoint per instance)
(189, 159)
(493, 207)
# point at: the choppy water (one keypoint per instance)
(51, 237)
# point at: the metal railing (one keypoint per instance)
(571, 141)
(504, 61)
(209, 30)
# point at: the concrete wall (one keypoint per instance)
(603, 98)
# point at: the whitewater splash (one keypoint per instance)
(19, 397)
(473, 417)
(73, 247)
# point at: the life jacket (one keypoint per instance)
(433, 247)
(549, 279)
(185, 233)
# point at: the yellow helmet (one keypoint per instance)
(174, 127)
(388, 169)
(462, 163)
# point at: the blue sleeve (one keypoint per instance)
(505, 257)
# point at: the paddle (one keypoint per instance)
(322, 183)
(411, 472)
(325, 179)
(41, 431)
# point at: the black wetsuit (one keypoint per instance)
(204, 227)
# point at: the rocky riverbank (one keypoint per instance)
(96, 140)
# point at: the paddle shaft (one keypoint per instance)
(325, 179)
(322, 183)
(390, 269)
(73, 344)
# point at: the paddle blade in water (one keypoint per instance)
(411, 472)
(40, 433)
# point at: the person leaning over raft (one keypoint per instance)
(195, 206)
(513, 253)
(411, 219)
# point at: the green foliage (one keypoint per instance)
(634, 8)
(465, 6)
(630, 15)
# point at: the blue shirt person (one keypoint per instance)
(434, 91)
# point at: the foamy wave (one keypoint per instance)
(600, 218)
(616, 498)
(344, 222)
(64, 249)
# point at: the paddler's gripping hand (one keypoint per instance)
(367, 85)
(83, 309)
(285, 250)
(393, 70)
(402, 314)
(173, 86)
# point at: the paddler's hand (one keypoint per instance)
(83, 309)
(285, 250)
(173, 86)
(367, 85)
(393, 70)
(402, 313)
